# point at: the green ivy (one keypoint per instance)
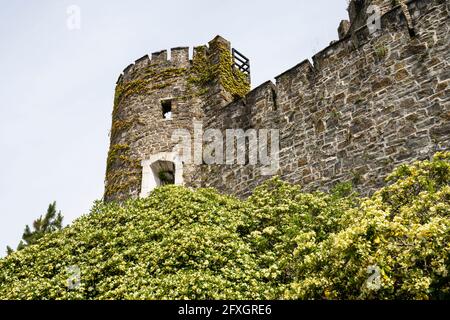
(203, 73)
(122, 171)
(281, 243)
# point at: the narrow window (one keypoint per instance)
(167, 109)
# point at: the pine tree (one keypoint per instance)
(52, 221)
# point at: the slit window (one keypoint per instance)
(166, 106)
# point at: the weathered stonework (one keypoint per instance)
(139, 130)
(366, 104)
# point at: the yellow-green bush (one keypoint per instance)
(281, 243)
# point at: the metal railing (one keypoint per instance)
(241, 62)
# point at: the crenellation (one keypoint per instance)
(200, 51)
(367, 103)
(128, 69)
(216, 46)
(343, 29)
(417, 9)
(328, 56)
(304, 70)
(180, 55)
(143, 61)
(179, 59)
(261, 92)
(119, 79)
(154, 97)
(160, 56)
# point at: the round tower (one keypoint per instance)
(157, 97)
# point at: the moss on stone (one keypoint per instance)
(155, 75)
(119, 126)
(124, 90)
(203, 73)
(153, 79)
(381, 52)
(114, 152)
(120, 181)
(233, 80)
(122, 171)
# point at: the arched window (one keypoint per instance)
(161, 169)
(164, 172)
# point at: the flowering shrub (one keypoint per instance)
(281, 243)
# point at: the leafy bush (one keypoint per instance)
(281, 243)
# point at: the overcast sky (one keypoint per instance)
(57, 84)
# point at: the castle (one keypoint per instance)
(375, 98)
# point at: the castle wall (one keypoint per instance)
(363, 11)
(365, 104)
(368, 103)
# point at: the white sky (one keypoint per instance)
(57, 85)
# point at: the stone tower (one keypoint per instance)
(155, 97)
(375, 99)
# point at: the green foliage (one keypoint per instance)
(153, 79)
(233, 80)
(381, 52)
(203, 72)
(119, 126)
(50, 222)
(116, 152)
(281, 243)
(122, 170)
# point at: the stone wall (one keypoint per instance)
(368, 103)
(360, 11)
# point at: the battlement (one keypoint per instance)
(359, 11)
(368, 102)
(362, 106)
(362, 12)
(160, 92)
(179, 58)
(392, 20)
